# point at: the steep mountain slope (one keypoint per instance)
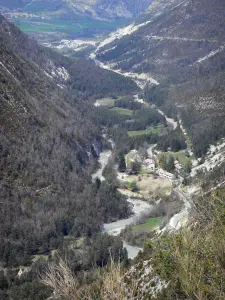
(182, 47)
(48, 146)
(82, 76)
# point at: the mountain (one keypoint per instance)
(104, 9)
(57, 19)
(48, 145)
(185, 59)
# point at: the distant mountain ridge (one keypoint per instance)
(54, 20)
(104, 9)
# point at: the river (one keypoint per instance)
(170, 122)
(138, 207)
(103, 161)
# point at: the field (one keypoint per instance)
(55, 24)
(108, 102)
(148, 186)
(48, 26)
(149, 224)
(123, 111)
(181, 157)
(155, 130)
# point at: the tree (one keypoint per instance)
(161, 158)
(104, 248)
(188, 166)
(135, 167)
(122, 163)
(3, 281)
(170, 164)
(167, 162)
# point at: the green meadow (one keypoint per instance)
(71, 27)
(149, 224)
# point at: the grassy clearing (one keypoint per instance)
(150, 187)
(109, 102)
(123, 111)
(180, 156)
(48, 26)
(154, 130)
(149, 224)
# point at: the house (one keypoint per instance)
(149, 164)
(178, 166)
(166, 174)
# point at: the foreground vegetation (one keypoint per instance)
(188, 264)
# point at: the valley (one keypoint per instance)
(149, 184)
(112, 150)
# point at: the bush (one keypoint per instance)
(133, 186)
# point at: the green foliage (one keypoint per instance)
(135, 167)
(174, 141)
(133, 186)
(166, 162)
(128, 103)
(105, 248)
(122, 111)
(149, 224)
(143, 118)
(144, 132)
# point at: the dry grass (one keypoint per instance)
(150, 187)
(61, 280)
(200, 257)
(114, 287)
(197, 253)
(109, 284)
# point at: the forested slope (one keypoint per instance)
(48, 148)
(83, 76)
